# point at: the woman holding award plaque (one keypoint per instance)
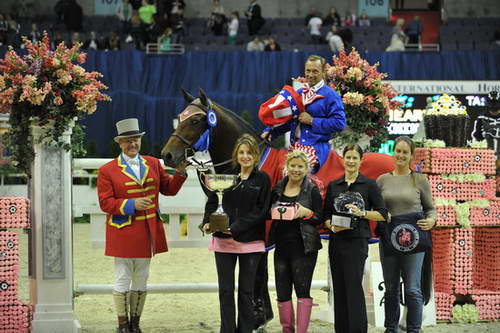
(296, 211)
(351, 201)
(407, 195)
(247, 206)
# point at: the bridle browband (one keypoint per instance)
(188, 143)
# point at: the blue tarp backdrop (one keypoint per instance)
(148, 87)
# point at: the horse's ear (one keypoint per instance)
(203, 97)
(187, 96)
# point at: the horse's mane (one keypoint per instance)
(246, 127)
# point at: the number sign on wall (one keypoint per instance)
(373, 8)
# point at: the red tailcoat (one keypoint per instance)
(131, 233)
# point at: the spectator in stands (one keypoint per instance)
(112, 42)
(14, 27)
(164, 40)
(93, 42)
(146, 12)
(255, 45)
(136, 4)
(312, 12)
(349, 19)
(272, 45)
(59, 9)
(334, 40)
(157, 27)
(233, 27)
(333, 18)
(34, 34)
(217, 18)
(414, 30)
(314, 26)
(399, 38)
(174, 7)
(75, 38)
(346, 36)
(56, 40)
(136, 30)
(124, 13)
(73, 16)
(255, 20)
(25, 9)
(364, 21)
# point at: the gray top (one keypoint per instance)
(402, 195)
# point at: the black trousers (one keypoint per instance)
(347, 262)
(226, 263)
(293, 269)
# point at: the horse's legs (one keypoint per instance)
(263, 309)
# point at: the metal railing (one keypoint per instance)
(154, 48)
(422, 47)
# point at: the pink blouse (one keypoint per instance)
(229, 245)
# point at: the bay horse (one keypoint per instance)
(223, 136)
(230, 127)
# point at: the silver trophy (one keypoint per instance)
(219, 183)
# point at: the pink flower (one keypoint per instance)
(82, 58)
(58, 100)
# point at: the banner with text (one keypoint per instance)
(445, 87)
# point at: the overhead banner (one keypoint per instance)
(444, 87)
(106, 7)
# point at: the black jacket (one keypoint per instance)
(308, 197)
(247, 207)
(372, 197)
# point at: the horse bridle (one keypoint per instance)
(188, 143)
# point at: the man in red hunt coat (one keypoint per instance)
(128, 189)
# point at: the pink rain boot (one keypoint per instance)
(287, 319)
(304, 306)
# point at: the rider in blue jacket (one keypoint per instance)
(324, 115)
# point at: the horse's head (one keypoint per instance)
(192, 124)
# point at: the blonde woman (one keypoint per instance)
(247, 207)
(399, 38)
(297, 240)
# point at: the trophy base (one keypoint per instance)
(218, 223)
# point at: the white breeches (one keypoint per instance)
(131, 274)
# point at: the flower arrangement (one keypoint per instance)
(46, 86)
(366, 99)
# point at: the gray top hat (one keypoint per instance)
(128, 128)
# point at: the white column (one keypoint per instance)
(51, 271)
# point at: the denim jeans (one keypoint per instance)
(409, 267)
